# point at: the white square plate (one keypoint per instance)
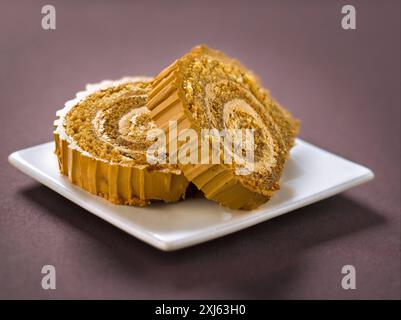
(311, 174)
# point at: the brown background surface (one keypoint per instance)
(343, 85)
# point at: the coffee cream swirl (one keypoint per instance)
(239, 113)
(112, 123)
(130, 138)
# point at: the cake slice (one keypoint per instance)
(101, 142)
(205, 89)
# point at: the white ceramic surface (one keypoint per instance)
(311, 174)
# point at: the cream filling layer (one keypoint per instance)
(125, 125)
(231, 120)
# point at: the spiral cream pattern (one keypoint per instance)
(238, 113)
